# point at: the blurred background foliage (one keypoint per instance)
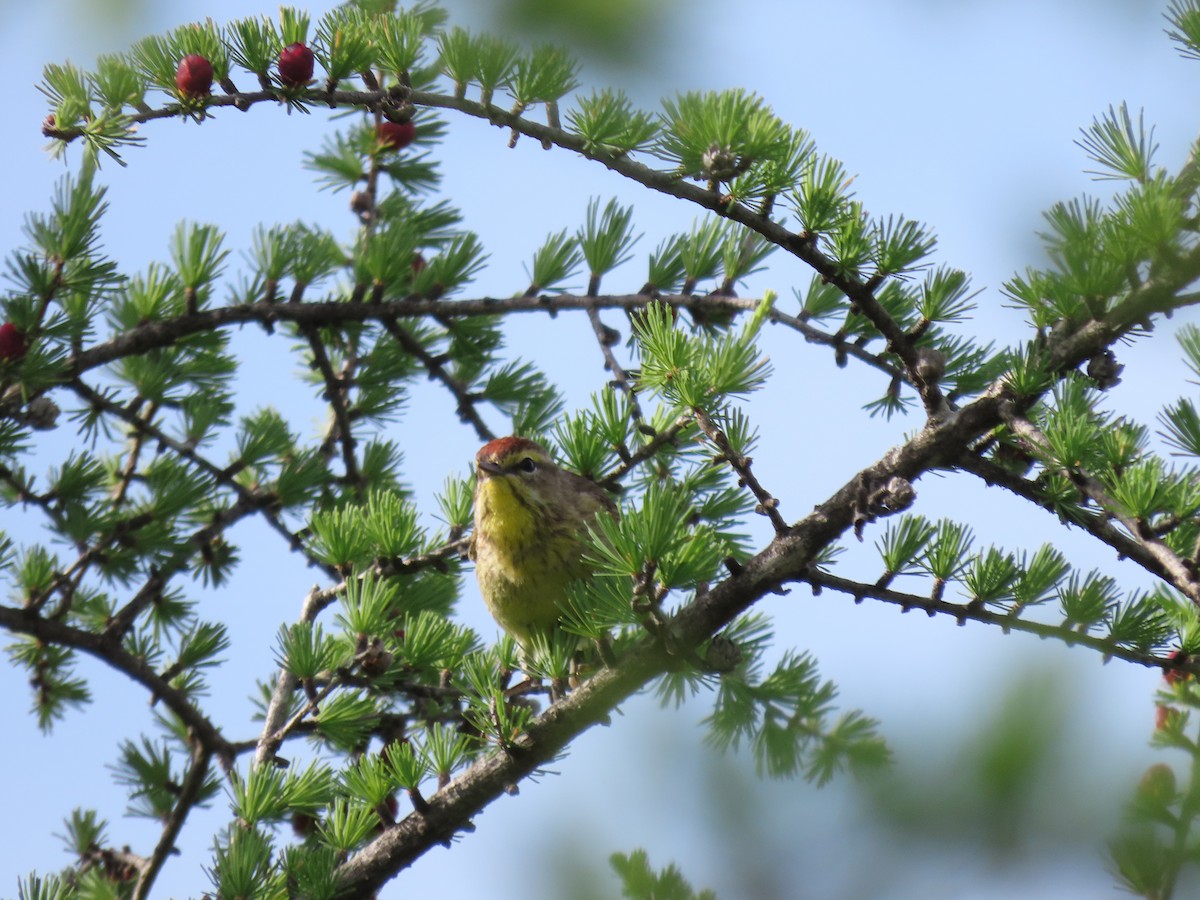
(626, 35)
(1020, 801)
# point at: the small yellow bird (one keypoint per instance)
(530, 531)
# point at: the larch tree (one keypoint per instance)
(384, 725)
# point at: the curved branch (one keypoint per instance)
(115, 655)
(1099, 527)
(1179, 573)
(860, 293)
(332, 313)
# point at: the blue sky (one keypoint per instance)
(962, 115)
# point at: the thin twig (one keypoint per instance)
(606, 337)
(135, 449)
(433, 559)
(962, 613)
(464, 403)
(661, 439)
(366, 203)
(815, 335)
(122, 620)
(189, 794)
(455, 548)
(1099, 526)
(274, 740)
(285, 685)
(337, 394)
(768, 504)
(1178, 572)
(68, 580)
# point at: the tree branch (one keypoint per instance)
(285, 684)
(464, 402)
(1097, 526)
(189, 794)
(116, 656)
(332, 313)
(337, 390)
(606, 337)
(1177, 572)
(135, 449)
(668, 435)
(963, 612)
(122, 621)
(787, 558)
(768, 505)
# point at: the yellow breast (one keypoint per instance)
(509, 516)
(523, 567)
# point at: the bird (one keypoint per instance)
(530, 533)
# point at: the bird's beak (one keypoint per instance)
(489, 468)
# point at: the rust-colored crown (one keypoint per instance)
(502, 448)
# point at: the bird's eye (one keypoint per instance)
(527, 464)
